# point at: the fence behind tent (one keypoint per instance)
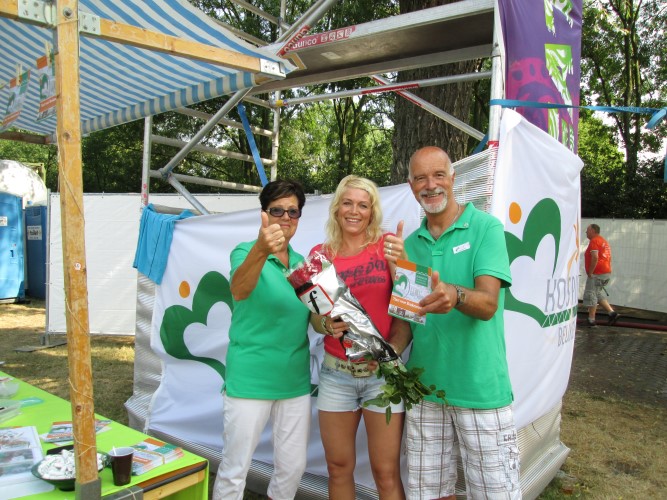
(112, 230)
(639, 276)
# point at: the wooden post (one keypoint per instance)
(74, 255)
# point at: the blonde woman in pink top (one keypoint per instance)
(365, 258)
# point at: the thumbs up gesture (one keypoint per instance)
(270, 238)
(393, 245)
(442, 298)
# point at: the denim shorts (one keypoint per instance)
(340, 391)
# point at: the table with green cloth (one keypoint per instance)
(185, 478)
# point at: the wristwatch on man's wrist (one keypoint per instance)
(460, 296)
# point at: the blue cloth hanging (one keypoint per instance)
(156, 231)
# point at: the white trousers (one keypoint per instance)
(244, 421)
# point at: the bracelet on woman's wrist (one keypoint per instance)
(324, 326)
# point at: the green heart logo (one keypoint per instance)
(212, 288)
(401, 285)
(544, 219)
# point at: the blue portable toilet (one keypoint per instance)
(12, 273)
(35, 250)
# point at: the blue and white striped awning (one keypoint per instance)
(121, 83)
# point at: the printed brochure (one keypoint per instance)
(412, 284)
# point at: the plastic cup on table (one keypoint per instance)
(121, 465)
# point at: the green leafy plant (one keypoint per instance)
(403, 384)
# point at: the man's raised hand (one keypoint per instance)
(441, 300)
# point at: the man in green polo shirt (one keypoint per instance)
(462, 345)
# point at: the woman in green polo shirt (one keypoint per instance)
(268, 359)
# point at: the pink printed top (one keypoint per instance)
(368, 277)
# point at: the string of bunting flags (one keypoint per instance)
(658, 114)
(44, 73)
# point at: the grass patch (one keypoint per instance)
(617, 449)
(112, 359)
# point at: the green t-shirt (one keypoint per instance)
(268, 355)
(460, 354)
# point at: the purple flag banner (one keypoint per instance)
(543, 54)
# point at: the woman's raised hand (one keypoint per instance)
(270, 238)
(393, 245)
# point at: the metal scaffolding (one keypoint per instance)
(440, 35)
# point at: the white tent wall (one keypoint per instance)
(639, 277)
(112, 228)
(21, 180)
(112, 231)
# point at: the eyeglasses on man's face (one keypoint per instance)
(293, 213)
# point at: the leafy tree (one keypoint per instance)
(360, 121)
(375, 158)
(624, 64)
(603, 171)
(304, 153)
(45, 155)
(112, 159)
(603, 176)
(649, 188)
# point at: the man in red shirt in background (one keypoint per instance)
(597, 260)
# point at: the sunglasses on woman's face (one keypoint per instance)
(293, 213)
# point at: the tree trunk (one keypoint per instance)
(416, 128)
(348, 115)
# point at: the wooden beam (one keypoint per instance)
(23, 137)
(9, 9)
(68, 133)
(140, 37)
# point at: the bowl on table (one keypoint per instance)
(9, 408)
(8, 388)
(58, 469)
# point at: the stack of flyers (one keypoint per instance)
(63, 431)
(19, 451)
(151, 453)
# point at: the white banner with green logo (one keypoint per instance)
(537, 197)
(192, 314)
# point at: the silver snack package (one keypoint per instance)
(323, 291)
